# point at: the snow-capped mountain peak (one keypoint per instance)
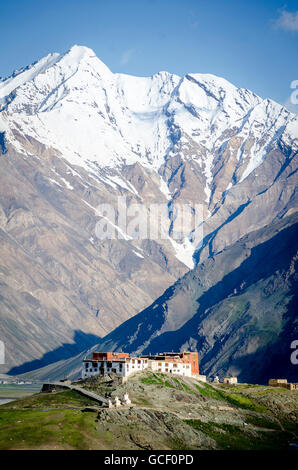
(198, 124)
(141, 118)
(81, 55)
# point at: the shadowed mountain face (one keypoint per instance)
(64, 352)
(238, 309)
(74, 135)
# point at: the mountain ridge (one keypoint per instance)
(241, 317)
(74, 135)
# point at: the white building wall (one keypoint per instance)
(125, 369)
(200, 377)
(133, 365)
(230, 380)
(177, 368)
(94, 368)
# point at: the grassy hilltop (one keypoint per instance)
(167, 413)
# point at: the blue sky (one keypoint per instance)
(254, 44)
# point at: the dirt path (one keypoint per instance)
(81, 390)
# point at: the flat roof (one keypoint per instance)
(105, 360)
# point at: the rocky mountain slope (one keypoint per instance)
(238, 309)
(74, 135)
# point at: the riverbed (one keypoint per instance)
(10, 392)
(3, 401)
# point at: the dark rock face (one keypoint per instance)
(238, 309)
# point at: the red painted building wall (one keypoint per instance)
(108, 356)
(193, 359)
